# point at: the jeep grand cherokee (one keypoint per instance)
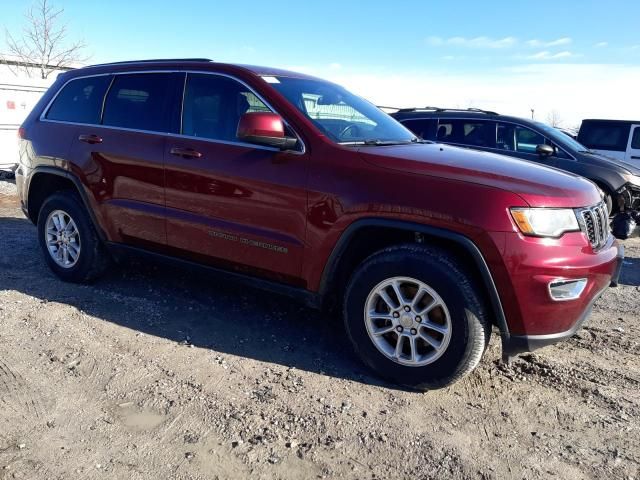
(292, 182)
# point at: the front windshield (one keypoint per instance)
(562, 138)
(343, 117)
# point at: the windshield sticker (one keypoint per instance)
(271, 79)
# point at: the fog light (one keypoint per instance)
(564, 289)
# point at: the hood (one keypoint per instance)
(538, 185)
(601, 160)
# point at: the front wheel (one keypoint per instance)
(415, 316)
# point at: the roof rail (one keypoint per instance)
(154, 60)
(440, 109)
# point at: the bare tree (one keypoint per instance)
(554, 119)
(43, 46)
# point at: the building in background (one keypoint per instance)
(19, 92)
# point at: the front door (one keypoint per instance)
(519, 141)
(230, 203)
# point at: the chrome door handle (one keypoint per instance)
(90, 139)
(185, 152)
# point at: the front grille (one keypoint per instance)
(594, 222)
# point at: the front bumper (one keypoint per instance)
(515, 344)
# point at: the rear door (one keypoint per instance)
(122, 157)
(633, 152)
(230, 203)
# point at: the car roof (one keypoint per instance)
(405, 114)
(605, 120)
(185, 64)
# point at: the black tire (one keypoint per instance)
(470, 329)
(94, 259)
(608, 200)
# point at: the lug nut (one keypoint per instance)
(399, 329)
(406, 309)
(396, 314)
(414, 331)
(418, 319)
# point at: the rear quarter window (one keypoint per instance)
(80, 100)
(424, 128)
(604, 136)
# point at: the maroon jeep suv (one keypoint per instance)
(293, 183)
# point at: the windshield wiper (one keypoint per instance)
(374, 142)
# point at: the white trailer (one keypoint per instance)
(16, 101)
(19, 92)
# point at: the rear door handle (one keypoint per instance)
(185, 152)
(90, 139)
(635, 158)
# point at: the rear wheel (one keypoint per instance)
(414, 316)
(69, 241)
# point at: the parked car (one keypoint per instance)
(529, 140)
(619, 139)
(293, 183)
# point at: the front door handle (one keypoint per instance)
(90, 139)
(185, 152)
(635, 158)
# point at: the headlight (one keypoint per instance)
(633, 179)
(545, 222)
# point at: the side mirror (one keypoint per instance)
(544, 150)
(264, 128)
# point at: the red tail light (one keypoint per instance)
(22, 133)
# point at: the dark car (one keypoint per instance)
(529, 140)
(290, 182)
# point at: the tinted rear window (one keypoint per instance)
(604, 136)
(424, 128)
(139, 102)
(80, 101)
(477, 133)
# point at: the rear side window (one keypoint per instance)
(475, 133)
(213, 105)
(604, 136)
(139, 102)
(80, 101)
(424, 128)
(445, 131)
(635, 141)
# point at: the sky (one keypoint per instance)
(579, 59)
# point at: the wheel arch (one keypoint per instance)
(44, 181)
(346, 254)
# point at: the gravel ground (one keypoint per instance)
(153, 373)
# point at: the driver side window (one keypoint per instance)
(213, 105)
(527, 140)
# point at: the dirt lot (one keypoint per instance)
(156, 374)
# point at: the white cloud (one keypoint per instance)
(575, 91)
(475, 42)
(547, 55)
(601, 44)
(549, 44)
(335, 66)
